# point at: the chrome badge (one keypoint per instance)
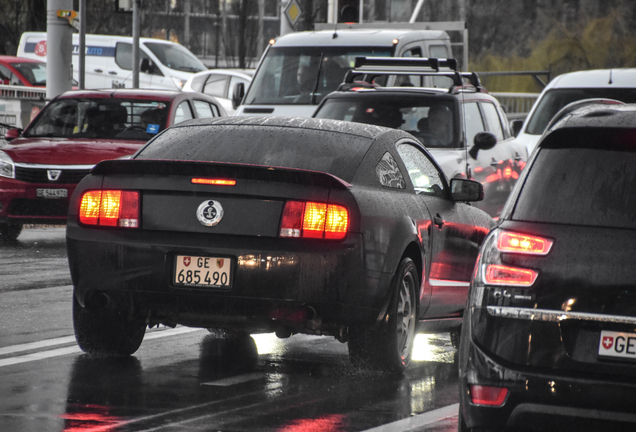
(53, 175)
(210, 213)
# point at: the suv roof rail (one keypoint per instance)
(371, 67)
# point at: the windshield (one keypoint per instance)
(304, 75)
(432, 120)
(175, 57)
(554, 100)
(34, 73)
(262, 145)
(100, 118)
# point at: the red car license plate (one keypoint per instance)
(52, 193)
(202, 271)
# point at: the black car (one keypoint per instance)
(463, 127)
(549, 334)
(275, 224)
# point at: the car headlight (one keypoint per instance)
(178, 82)
(7, 167)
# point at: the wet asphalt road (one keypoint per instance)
(186, 379)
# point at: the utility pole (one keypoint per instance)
(59, 46)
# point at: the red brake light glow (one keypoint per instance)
(314, 220)
(488, 395)
(215, 182)
(110, 208)
(496, 274)
(523, 244)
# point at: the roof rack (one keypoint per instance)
(371, 67)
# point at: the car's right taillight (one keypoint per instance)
(115, 208)
(493, 270)
(308, 219)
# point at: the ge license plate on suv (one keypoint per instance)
(201, 271)
(617, 345)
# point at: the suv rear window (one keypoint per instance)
(334, 153)
(582, 177)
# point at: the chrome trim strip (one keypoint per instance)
(62, 167)
(448, 283)
(555, 315)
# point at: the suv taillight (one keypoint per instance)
(110, 208)
(314, 220)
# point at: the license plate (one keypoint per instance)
(202, 271)
(52, 193)
(617, 345)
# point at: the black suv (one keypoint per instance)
(462, 126)
(548, 340)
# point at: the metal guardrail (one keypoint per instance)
(17, 105)
(516, 105)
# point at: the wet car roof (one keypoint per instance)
(614, 116)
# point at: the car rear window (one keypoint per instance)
(335, 153)
(582, 177)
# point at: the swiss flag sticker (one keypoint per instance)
(186, 261)
(608, 342)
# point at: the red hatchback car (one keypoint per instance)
(40, 166)
(22, 71)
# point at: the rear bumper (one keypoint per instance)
(567, 395)
(310, 286)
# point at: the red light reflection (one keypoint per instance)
(329, 423)
(89, 418)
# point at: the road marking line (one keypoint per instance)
(72, 349)
(418, 421)
(239, 379)
(36, 345)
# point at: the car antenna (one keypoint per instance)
(335, 32)
(313, 94)
(610, 80)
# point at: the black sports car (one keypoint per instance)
(274, 225)
(549, 339)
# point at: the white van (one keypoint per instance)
(298, 69)
(619, 84)
(164, 64)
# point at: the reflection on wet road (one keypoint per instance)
(186, 379)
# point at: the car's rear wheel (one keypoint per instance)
(106, 331)
(10, 232)
(390, 346)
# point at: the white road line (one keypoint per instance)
(72, 349)
(226, 382)
(418, 421)
(36, 345)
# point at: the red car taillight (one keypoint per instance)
(495, 274)
(110, 208)
(314, 220)
(523, 244)
(488, 395)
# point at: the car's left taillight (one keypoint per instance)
(114, 208)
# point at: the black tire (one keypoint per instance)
(390, 346)
(455, 337)
(10, 232)
(105, 332)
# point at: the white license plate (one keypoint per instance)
(617, 345)
(202, 271)
(52, 193)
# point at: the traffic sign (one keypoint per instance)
(293, 12)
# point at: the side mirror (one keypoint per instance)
(12, 134)
(515, 126)
(482, 141)
(237, 94)
(147, 66)
(466, 190)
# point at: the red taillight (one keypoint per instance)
(314, 220)
(524, 244)
(495, 274)
(110, 208)
(213, 181)
(488, 395)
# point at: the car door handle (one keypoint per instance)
(98, 70)
(517, 157)
(112, 72)
(494, 163)
(437, 220)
